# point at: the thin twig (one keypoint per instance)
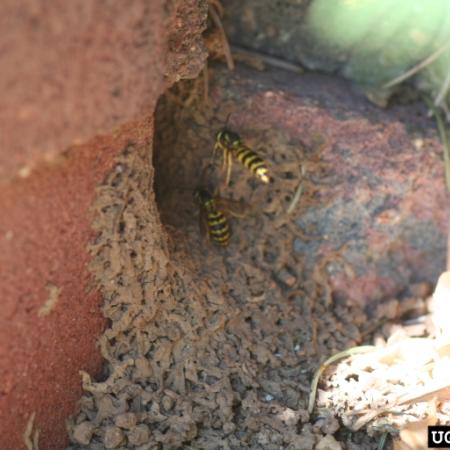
(30, 438)
(296, 198)
(269, 60)
(315, 381)
(446, 110)
(444, 90)
(226, 47)
(444, 140)
(409, 73)
(382, 441)
(216, 4)
(298, 192)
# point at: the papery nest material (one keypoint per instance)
(400, 386)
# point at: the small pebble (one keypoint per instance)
(143, 368)
(286, 277)
(126, 420)
(82, 433)
(388, 310)
(420, 290)
(228, 427)
(288, 416)
(327, 423)
(328, 442)
(113, 437)
(418, 143)
(139, 435)
(412, 307)
(167, 403)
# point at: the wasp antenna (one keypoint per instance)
(200, 125)
(227, 120)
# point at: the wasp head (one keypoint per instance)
(227, 138)
(201, 195)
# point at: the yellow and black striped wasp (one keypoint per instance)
(213, 215)
(232, 145)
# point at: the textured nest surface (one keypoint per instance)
(210, 348)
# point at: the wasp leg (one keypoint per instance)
(215, 150)
(233, 213)
(234, 208)
(225, 158)
(229, 163)
(203, 225)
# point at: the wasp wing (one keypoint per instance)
(234, 208)
(203, 223)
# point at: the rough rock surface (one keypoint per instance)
(373, 186)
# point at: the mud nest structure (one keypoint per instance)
(207, 347)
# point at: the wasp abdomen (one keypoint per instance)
(218, 227)
(253, 162)
(215, 220)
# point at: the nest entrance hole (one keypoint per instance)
(182, 150)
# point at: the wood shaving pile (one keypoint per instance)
(399, 386)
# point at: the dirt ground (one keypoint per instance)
(209, 347)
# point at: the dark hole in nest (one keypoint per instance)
(269, 256)
(103, 375)
(178, 157)
(290, 176)
(163, 188)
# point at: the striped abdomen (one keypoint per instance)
(218, 227)
(252, 161)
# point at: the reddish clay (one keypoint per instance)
(44, 243)
(73, 69)
(69, 72)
